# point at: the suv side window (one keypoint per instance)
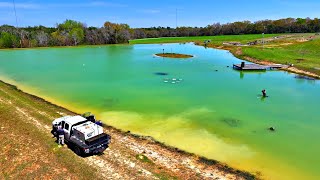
(66, 126)
(62, 124)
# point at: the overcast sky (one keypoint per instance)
(148, 13)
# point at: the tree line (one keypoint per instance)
(72, 33)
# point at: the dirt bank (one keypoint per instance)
(28, 150)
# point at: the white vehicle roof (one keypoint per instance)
(69, 119)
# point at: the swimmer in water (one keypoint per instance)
(264, 93)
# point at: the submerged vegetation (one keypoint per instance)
(231, 122)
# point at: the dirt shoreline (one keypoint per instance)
(121, 159)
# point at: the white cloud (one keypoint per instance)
(19, 5)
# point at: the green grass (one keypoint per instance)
(164, 176)
(214, 39)
(305, 56)
(143, 158)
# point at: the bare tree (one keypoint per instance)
(42, 38)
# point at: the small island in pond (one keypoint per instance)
(174, 55)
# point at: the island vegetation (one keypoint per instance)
(174, 55)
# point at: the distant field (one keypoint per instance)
(214, 39)
(301, 50)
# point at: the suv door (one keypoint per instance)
(66, 129)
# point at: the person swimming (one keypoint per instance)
(264, 93)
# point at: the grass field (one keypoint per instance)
(301, 50)
(214, 39)
(303, 55)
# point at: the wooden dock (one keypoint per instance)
(250, 67)
(257, 67)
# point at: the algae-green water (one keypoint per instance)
(202, 105)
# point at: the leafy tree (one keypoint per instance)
(72, 32)
(8, 40)
(58, 38)
(77, 35)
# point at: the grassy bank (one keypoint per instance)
(27, 149)
(301, 50)
(303, 55)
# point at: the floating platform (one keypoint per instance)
(250, 67)
(257, 67)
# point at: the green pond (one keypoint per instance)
(202, 105)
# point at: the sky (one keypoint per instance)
(150, 13)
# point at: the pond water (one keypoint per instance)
(199, 104)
